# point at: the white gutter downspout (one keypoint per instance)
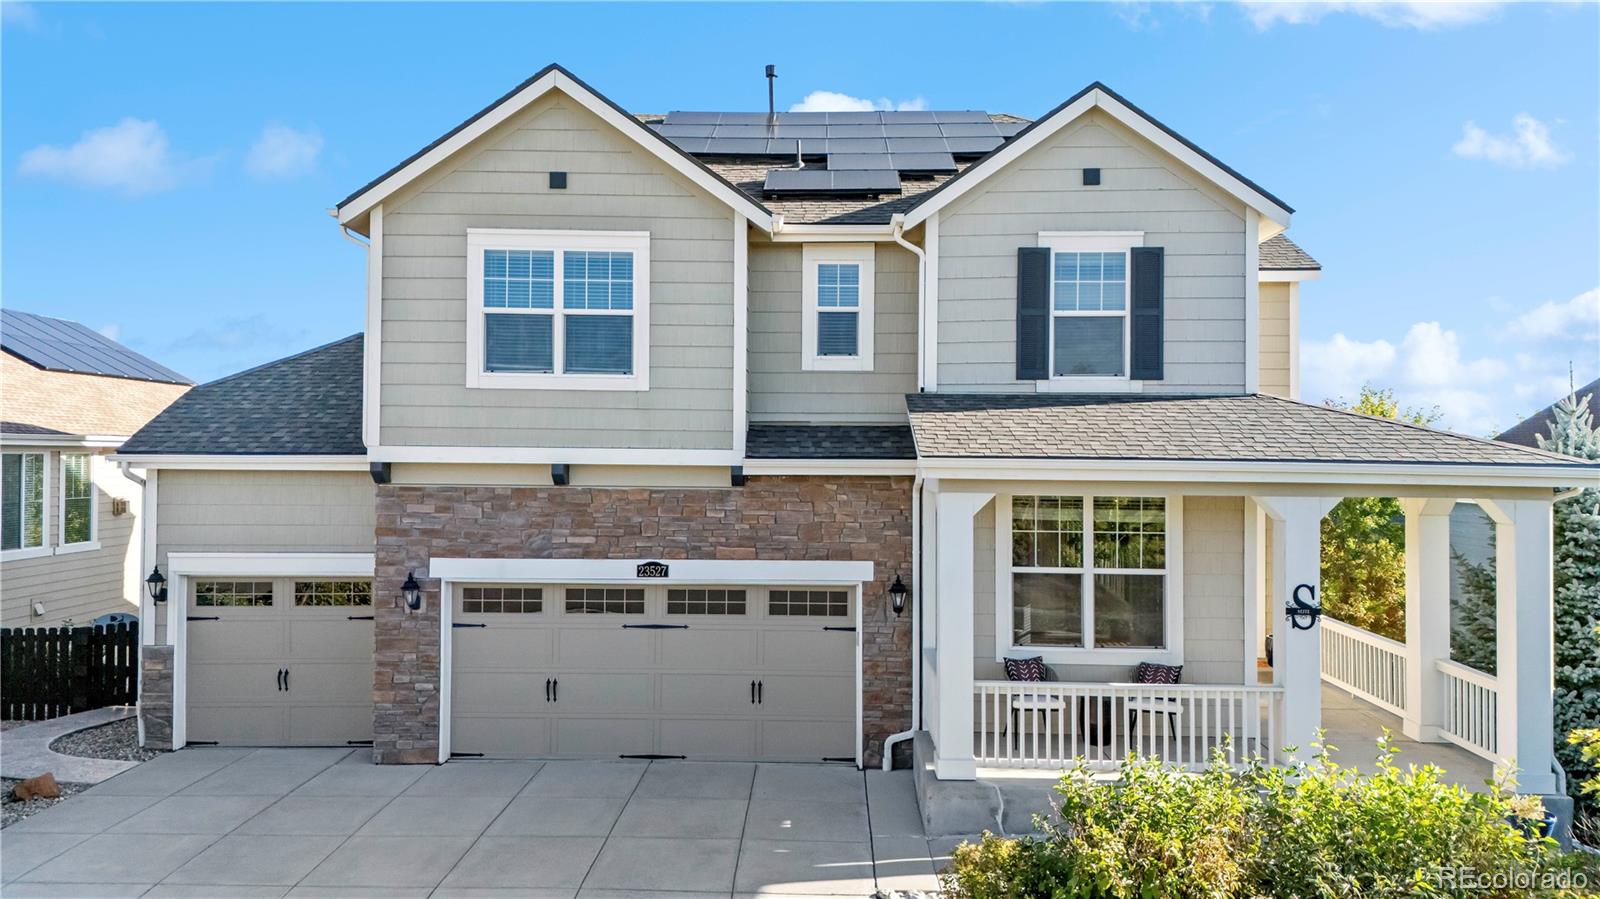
(916, 628)
(898, 226)
(144, 639)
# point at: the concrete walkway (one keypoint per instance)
(25, 751)
(326, 822)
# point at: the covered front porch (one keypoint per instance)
(1191, 563)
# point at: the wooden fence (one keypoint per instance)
(47, 672)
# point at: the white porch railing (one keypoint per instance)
(1047, 725)
(1471, 709)
(1363, 663)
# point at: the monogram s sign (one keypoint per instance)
(651, 570)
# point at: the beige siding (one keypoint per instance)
(1213, 597)
(78, 586)
(264, 511)
(1276, 359)
(501, 182)
(781, 391)
(1142, 189)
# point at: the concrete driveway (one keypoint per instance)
(327, 822)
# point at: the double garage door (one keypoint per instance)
(279, 661)
(715, 672)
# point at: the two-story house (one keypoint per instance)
(69, 396)
(774, 435)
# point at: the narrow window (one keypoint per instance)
(837, 325)
(22, 510)
(233, 593)
(333, 593)
(502, 600)
(77, 499)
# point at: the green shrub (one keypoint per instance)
(1313, 831)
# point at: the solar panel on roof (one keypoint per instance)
(908, 116)
(855, 118)
(959, 116)
(60, 345)
(691, 144)
(737, 146)
(971, 145)
(855, 130)
(726, 130)
(987, 129)
(802, 118)
(693, 118)
(917, 130)
(744, 118)
(857, 145)
(858, 161)
(1007, 129)
(922, 162)
(822, 181)
(684, 130)
(791, 130)
(917, 145)
(783, 146)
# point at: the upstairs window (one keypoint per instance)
(77, 500)
(1089, 314)
(836, 331)
(22, 501)
(558, 309)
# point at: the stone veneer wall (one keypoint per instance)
(155, 696)
(777, 518)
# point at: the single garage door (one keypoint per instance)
(280, 661)
(717, 672)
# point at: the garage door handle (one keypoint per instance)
(280, 680)
(547, 689)
(761, 687)
(752, 692)
(658, 627)
(459, 624)
(205, 618)
(285, 680)
(360, 617)
(836, 627)
(555, 689)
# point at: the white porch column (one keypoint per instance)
(1525, 639)
(1297, 560)
(953, 570)
(1427, 613)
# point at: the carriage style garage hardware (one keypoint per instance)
(651, 569)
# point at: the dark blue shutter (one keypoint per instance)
(1145, 308)
(1033, 313)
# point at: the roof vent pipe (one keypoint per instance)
(772, 108)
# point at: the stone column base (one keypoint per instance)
(155, 696)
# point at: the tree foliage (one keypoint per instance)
(1363, 540)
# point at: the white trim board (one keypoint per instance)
(1097, 98)
(1272, 275)
(245, 462)
(553, 78)
(547, 455)
(183, 566)
(836, 467)
(624, 571)
(1313, 473)
(372, 341)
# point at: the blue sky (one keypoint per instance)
(167, 168)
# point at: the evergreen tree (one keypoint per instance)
(1472, 634)
(1577, 597)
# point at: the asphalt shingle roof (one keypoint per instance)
(830, 442)
(56, 344)
(1538, 424)
(306, 404)
(1279, 253)
(1256, 428)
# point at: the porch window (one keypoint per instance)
(1089, 571)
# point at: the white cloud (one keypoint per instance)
(132, 156)
(17, 13)
(1425, 370)
(1420, 14)
(283, 152)
(111, 331)
(1337, 367)
(1528, 146)
(1575, 319)
(830, 101)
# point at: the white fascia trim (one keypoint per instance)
(245, 462)
(89, 441)
(1156, 470)
(576, 455)
(930, 329)
(804, 467)
(624, 571)
(1047, 128)
(1252, 303)
(556, 80)
(783, 233)
(372, 343)
(1277, 275)
(273, 564)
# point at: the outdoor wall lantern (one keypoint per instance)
(156, 583)
(898, 594)
(1303, 615)
(411, 591)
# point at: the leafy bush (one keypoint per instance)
(1312, 830)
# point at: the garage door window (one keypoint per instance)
(333, 593)
(696, 601)
(820, 603)
(233, 593)
(603, 600)
(502, 600)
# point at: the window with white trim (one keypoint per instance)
(22, 501)
(77, 500)
(837, 299)
(558, 309)
(1089, 572)
(1089, 325)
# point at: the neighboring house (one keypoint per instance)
(1538, 424)
(651, 426)
(67, 530)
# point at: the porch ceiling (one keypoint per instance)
(1254, 428)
